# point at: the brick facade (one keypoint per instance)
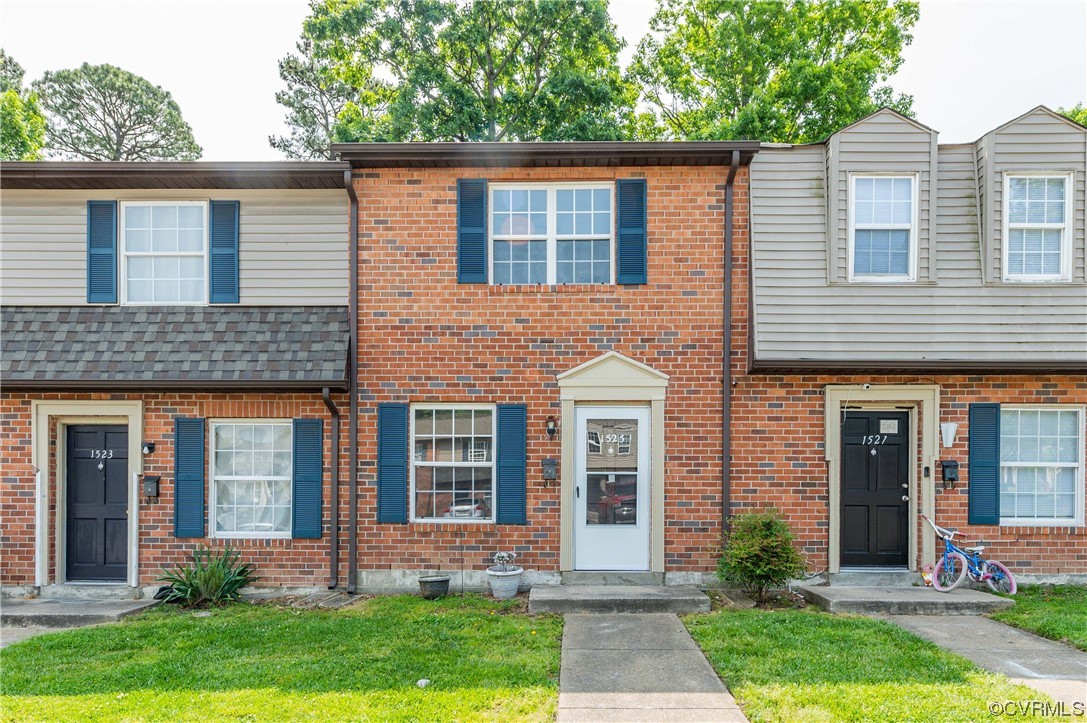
(279, 562)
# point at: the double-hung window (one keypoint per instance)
(452, 470)
(1041, 465)
(1037, 223)
(882, 228)
(251, 467)
(551, 234)
(164, 253)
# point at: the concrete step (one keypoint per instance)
(617, 599)
(67, 613)
(613, 578)
(90, 591)
(894, 600)
(876, 578)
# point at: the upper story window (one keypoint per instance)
(251, 468)
(1041, 465)
(882, 228)
(551, 234)
(1036, 226)
(164, 253)
(452, 470)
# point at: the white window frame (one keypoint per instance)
(552, 226)
(122, 246)
(1077, 519)
(213, 486)
(1065, 227)
(912, 227)
(492, 465)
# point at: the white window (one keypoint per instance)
(251, 465)
(452, 472)
(1041, 465)
(1037, 219)
(882, 228)
(594, 442)
(553, 234)
(164, 253)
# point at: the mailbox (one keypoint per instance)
(150, 486)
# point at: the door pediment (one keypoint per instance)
(609, 372)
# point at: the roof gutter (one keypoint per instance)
(334, 536)
(726, 362)
(159, 384)
(353, 384)
(904, 366)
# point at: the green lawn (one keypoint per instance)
(1057, 612)
(802, 665)
(258, 662)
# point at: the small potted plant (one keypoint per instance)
(504, 576)
(432, 587)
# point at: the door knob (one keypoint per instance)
(905, 485)
(905, 498)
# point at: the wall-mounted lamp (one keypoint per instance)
(947, 431)
(148, 447)
(552, 427)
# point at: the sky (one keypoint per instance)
(972, 65)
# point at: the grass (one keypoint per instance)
(802, 665)
(260, 662)
(1057, 612)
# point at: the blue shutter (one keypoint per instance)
(188, 477)
(306, 479)
(984, 492)
(392, 463)
(101, 252)
(471, 231)
(511, 428)
(631, 244)
(223, 242)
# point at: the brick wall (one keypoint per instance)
(425, 338)
(278, 562)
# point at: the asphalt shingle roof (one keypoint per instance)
(279, 346)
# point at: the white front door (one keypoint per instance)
(611, 488)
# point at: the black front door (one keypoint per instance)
(97, 520)
(875, 487)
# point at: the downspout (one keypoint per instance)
(334, 538)
(726, 390)
(353, 384)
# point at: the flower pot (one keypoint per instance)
(504, 584)
(434, 586)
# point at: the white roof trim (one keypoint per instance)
(616, 360)
(1033, 111)
(916, 124)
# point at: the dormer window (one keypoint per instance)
(1036, 224)
(883, 228)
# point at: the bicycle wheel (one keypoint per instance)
(949, 572)
(999, 578)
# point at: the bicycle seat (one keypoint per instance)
(976, 548)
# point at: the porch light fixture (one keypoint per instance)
(947, 431)
(551, 427)
(148, 447)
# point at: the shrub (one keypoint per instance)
(759, 554)
(210, 578)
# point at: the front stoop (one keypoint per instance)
(564, 599)
(895, 600)
(67, 613)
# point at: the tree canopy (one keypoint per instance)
(788, 71)
(22, 124)
(104, 113)
(474, 71)
(1078, 113)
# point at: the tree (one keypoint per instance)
(1077, 113)
(480, 70)
(315, 98)
(104, 113)
(22, 125)
(789, 71)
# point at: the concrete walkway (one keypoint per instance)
(637, 667)
(1057, 670)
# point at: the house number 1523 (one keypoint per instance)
(102, 453)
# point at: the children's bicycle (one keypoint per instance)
(957, 562)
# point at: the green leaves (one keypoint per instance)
(22, 124)
(104, 113)
(792, 71)
(210, 578)
(759, 554)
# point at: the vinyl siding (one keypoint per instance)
(293, 244)
(1037, 141)
(880, 144)
(799, 316)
